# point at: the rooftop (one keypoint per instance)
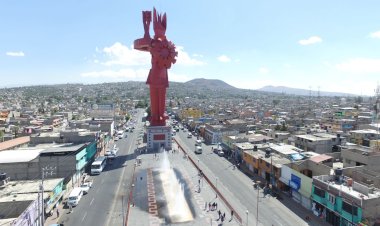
(26, 189)
(356, 190)
(14, 142)
(276, 160)
(20, 155)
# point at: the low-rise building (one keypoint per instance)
(20, 201)
(340, 200)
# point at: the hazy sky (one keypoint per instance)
(334, 45)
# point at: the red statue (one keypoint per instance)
(163, 56)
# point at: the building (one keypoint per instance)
(319, 142)
(342, 201)
(265, 164)
(75, 136)
(365, 137)
(20, 201)
(67, 160)
(361, 156)
(215, 133)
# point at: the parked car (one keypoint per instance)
(86, 187)
(189, 135)
(221, 153)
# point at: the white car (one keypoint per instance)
(86, 187)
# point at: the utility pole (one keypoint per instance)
(44, 172)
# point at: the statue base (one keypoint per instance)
(159, 137)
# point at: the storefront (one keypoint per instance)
(295, 184)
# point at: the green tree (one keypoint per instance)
(275, 102)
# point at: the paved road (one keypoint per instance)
(271, 211)
(103, 204)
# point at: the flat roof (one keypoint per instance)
(277, 160)
(285, 149)
(320, 158)
(311, 137)
(20, 155)
(66, 148)
(25, 190)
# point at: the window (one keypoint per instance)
(319, 192)
(331, 199)
(350, 208)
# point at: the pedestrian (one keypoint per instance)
(209, 206)
(57, 213)
(222, 219)
(71, 208)
(216, 205)
(205, 205)
(219, 213)
(232, 214)
(224, 215)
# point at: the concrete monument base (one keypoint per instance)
(159, 136)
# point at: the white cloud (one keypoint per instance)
(360, 65)
(120, 54)
(131, 74)
(185, 59)
(264, 70)
(310, 41)
(16, 54)
(127, 74)
(224, 59)
(375, 34)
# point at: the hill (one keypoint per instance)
(211, 84)
(301, 92)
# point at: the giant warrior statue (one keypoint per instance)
(163, 56)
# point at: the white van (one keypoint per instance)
(120, 134)
(74, 197)
(198, 150)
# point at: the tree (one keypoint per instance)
(276, 102)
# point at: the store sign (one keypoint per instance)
(295, 182)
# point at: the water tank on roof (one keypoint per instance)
(338, 172)
(3, 176)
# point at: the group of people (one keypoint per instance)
(212, 206)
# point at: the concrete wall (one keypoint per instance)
(22, 170)
(13, 209)
(65, 165)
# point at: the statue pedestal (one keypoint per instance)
(157, 137)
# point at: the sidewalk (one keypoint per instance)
(289, 202)
(197, 191)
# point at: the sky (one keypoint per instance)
(326, 45)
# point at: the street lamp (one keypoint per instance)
(247, 216)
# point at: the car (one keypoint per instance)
(85, 187)
(221, 153)
(198, 142)
(189, 135)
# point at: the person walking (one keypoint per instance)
(57, 213)
(232, 215)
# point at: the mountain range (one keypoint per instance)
(301, 92)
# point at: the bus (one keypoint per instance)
(98, 165)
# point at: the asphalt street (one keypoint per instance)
(271, 211)
(103, 204)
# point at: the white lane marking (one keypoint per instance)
(92, 201)
(85, 214)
